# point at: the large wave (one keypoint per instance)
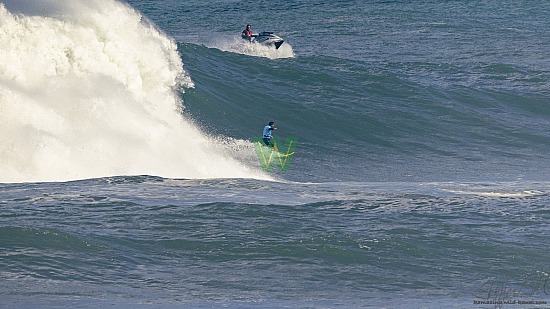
(88, 88)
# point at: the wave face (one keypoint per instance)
(89, 89)
(381, 90)
(365, 121)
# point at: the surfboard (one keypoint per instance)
(269, 150)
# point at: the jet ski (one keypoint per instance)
(269, 39)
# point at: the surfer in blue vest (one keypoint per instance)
(268, 133)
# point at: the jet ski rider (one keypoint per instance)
(247, 33)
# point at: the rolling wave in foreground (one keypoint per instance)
(90, 89)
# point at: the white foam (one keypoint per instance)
(88, 89)
(240, 46)
(524, 193)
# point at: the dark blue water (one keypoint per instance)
(401, 91)
(170, 243)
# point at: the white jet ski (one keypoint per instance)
(269, 39)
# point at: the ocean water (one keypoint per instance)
(129, 177)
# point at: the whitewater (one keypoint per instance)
(91, 89)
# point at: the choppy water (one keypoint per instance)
(420, 178)
(171, 243)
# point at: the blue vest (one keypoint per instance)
(267, 131)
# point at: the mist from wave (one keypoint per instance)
(91, 89)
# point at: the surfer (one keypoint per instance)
(247, 33)
(268, 133)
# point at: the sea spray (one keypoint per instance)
(88, 89)
(240, 46)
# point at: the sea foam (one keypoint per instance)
(89, 88)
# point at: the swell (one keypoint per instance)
(377, 243)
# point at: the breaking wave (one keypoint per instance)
(91, 89)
